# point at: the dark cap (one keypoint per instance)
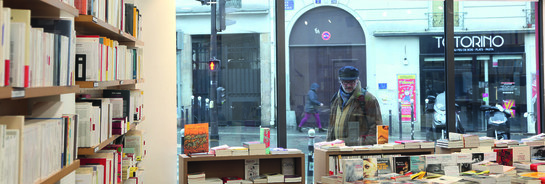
(348, 73)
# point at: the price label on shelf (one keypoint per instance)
(95, 20)
(121, 82)
(96, 149)
(95, 84)
(18, 93)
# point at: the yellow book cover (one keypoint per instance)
(534, 174)
(195, 138)
(382, 134)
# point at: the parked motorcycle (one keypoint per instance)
(497, 125)
(439, 124)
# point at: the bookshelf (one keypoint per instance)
(94, 149)
(106, 84)
(61, 173)
(234, 165)
(43, 8)
(321, 157)
(16, 103)
(21, 93)
(89, 25)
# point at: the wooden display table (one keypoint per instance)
(321, 157)
(224, 166)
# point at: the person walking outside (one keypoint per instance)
(311, 107)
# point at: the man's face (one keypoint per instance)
(349, 85)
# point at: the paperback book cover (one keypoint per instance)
(352, 169)
(537, 152)
(265, 138)
(251, 169)
(382, 134)
(195, 138)
(384, 166)
(433, 164)
(504, 156)
(402, 164)
(418, 163)
(370, 167)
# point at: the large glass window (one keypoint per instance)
(398, 48)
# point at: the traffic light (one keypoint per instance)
(220, 92)
(214, 65)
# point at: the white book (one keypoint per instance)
(89, 46)
(2, 62)
(31, 163)
(95, 128)
(10, 166)
(50, 54)
(64, 58)
(6, 37)
(68, 179)
(17, 62)
(288, 166)
(251, 169)
(85, 112)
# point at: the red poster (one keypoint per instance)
(406, 85)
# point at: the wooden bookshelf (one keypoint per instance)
(234, 165)
(97, 84)
(43, 8)
(94, 149)
(127, 82)
(321, 157)
(61, 173)
(89, 25)
(19, 93)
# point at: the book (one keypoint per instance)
(231, 179)
(265, 138)
(402, 164)
(253, 145)
(274, 177)
(505, 156)
(195, 138)
(418, 163)
(251, 169)
(537, 152)
(352, 170)
(382, 134)
(521, 153)
(288, 166)
(370, 167)
(383, 166)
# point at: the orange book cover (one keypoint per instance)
(534, 174)
(382, 134)
(195, 138)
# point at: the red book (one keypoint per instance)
(119, 149)
(538, 167)
(96, 161)
(504, 156)
(229, 178)
(81, 5)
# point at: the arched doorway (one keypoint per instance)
(323, 40)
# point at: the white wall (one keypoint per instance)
(159, 90)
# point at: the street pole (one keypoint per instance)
(213, 74)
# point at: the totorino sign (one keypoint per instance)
(474, 41)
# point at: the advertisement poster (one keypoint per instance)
(406, 85)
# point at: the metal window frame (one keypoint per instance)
(449, 68)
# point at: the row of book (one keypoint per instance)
(36, 52)
(113, 164)
(196, 143)
(103, 59)
(252, 174)
(339, 145)
(122, 14)
(34, 148)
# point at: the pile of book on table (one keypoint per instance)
(247, 148)
(339, 145)
(503, 161)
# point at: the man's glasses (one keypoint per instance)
(346, 82)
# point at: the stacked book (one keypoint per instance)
(292, 179)
(222, 150)
(470, 140)
(505, 143)
(409, 144)
(237, 150)
(486, 141)
(444, 143)
(255, 147)
(276, 151)
(213, 181)
(196, 178)
(275, 178)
